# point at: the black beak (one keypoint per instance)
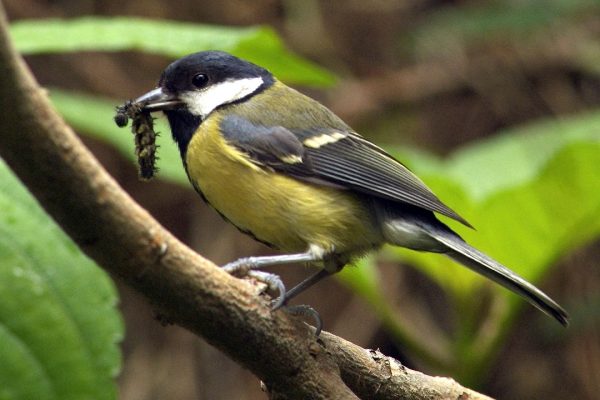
(157, 100)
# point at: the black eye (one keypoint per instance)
(200, 80)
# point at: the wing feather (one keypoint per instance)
(330, 156)
(367, 168)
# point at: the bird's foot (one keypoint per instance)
(306, 311)
(249, 267)
(242, 266)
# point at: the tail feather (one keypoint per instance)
(472, 258)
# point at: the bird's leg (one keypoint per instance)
(303, 309)
(249, 266)
(243, 265)
(302, 286)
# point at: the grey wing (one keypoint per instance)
(333, 157)
(365, 167)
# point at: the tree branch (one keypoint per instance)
(372, 375)
(185, 288)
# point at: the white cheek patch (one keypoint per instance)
(203, 102)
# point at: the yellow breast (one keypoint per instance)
(277, 209)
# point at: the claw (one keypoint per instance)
(308, 311)
(249, 266)
(241, 266)
(273, 282)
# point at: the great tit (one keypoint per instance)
(286, 170)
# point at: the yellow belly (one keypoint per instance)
(285, 212)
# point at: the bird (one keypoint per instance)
(285, 169)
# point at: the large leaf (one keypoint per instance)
(59, 328)
(169, 38)
(527, 227)
(512, 187)
(517, 156)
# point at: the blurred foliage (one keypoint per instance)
(529, 191)
(59, 327)
(172, 39)
(528, 33)
(493, 20)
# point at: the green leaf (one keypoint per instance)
(59, 328)
(510, 188)
(260, 45)
(530, 226)
(517, 156)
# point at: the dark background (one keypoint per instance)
(437, 96)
